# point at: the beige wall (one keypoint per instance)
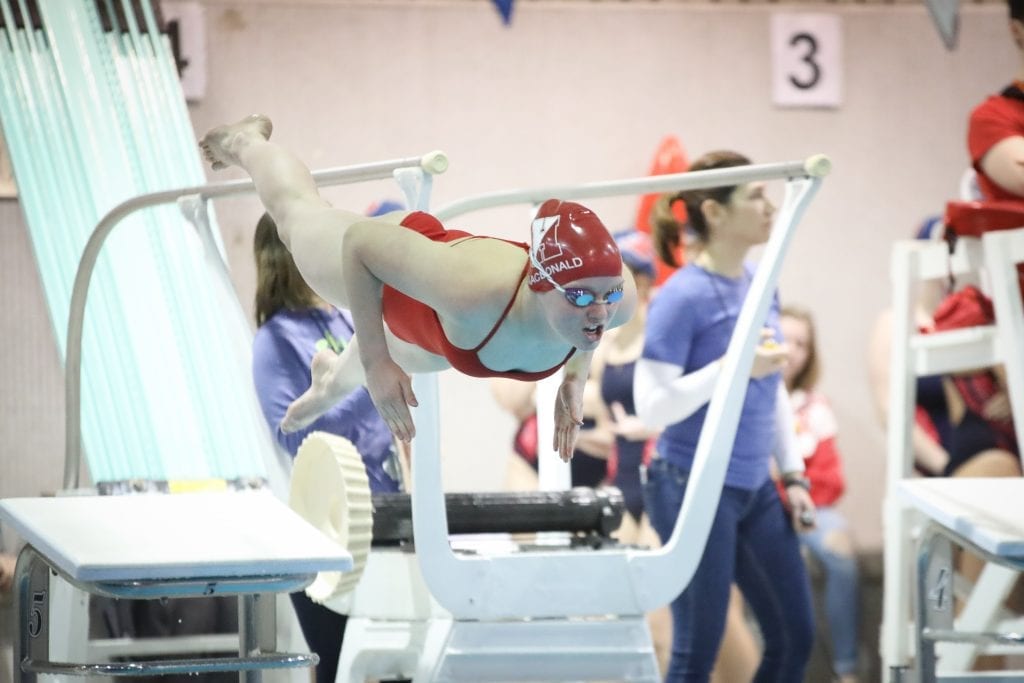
(576, 92)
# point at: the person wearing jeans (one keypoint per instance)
(751, 543)
(752, 540)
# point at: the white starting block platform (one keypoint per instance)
(984, 516)
(152, 546)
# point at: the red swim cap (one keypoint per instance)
(569, 242)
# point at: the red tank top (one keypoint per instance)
(413, 321)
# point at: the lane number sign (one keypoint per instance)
(806, 59)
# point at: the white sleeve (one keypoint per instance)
(664, 395)
(787, 447)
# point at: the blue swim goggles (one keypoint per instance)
(580, 297)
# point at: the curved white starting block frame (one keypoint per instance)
(550, 584)
(555, 615)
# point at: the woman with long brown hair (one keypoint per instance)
(293, 325)
(752, 540)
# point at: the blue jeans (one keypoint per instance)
(842, 589)
(752, 543)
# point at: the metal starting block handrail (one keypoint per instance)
(816, 166)
(433, 163)
(548, 584)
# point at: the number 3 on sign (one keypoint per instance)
(806, 57)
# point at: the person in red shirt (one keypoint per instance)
(829, 541)
(995, 132)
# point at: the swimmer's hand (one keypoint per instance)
(391, 390)
(568, 418)
(769, 355)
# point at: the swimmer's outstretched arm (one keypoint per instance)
(376, 253)
(569, 404)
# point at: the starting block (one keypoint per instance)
(155, 546)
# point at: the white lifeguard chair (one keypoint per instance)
(986, 247)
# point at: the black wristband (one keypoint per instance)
(797, 480)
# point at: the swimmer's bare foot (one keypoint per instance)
(328, 386)
(219, 145)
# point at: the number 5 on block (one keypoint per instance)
(806, 60)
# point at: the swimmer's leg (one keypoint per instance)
(311, 229)
(334, 376)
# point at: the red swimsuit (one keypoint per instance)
(415, 322)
